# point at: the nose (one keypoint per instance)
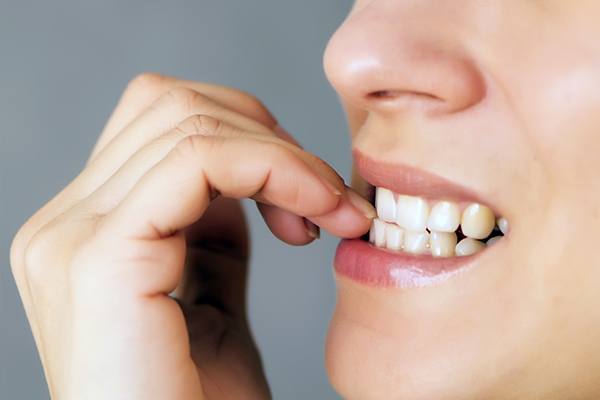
(391, 57)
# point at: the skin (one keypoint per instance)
(516, 80)
(96, 264)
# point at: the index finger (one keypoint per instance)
(175, 192)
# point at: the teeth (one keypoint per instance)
(406, 223)
(444, 217)
(442, 244)
(378, 232)
(416, 242)
(477, 221)
(394, 237)
(385, 204)
(469, 246)
(412, 213)
(503, 225)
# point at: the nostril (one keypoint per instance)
(383, 94)
(395, 94)
(396, 99)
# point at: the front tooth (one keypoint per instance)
(412, 213)
(503, 225)
(379, 232)
(444, 217)
(477, 221)
(416, 242)
(394, 236)
(385, 204)
(442, 244)
(468, 246)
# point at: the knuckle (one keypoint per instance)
(17, 249)
(146, 81)
(196, 147)
(188, 100)
(38, 252)
(51, 247)
(250, 100)
(255, 108)
(189, 146)
(200, 124)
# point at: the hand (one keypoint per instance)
(154, 212)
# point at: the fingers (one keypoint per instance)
(169, 110)
(175, 193)
(349, 218)
(182, 102)
(159, 118)
(109, 194)
(147, 88)
(287, 226)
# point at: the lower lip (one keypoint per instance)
(369, 265)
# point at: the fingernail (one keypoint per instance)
(332, 187)
(312, 230)
(361, 204)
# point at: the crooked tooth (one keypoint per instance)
(468, 246)
(503, 225)
(442, 244)
(477, 221)
(394, 237)
(385, 204)
(412, 213)
(444, 217)
(416, 242)
(378, 228)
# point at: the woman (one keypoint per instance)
(474, 130)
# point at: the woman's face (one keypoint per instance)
(494, 102)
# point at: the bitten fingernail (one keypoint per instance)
(312, 230)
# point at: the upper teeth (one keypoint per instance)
(477, 221)
(444, 217)
(408, 223)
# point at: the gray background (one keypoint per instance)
(63, 65)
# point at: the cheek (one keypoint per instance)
(555, 92)
(560, 108)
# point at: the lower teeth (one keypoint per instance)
(438, 244)
(415, 225)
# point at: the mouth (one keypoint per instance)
(427, 228)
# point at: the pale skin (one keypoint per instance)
(155, 211)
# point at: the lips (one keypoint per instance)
(410, 181)
(411, 246)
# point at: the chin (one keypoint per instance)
(384, 346)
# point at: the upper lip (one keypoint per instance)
(409, 180)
